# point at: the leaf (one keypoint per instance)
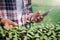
(57, 28)
(10, 34)
(40, 30)
(41, 37)
(54, 33)
(23, 31)
(37, 39)
(45, 37)
(15, 36)
(7, 38)
(2, 32)
(49, 33)
(25, 38)
(37, 35)
(29, 35)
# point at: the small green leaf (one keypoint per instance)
(37, 35)
(29, 35)
(10, 34)
(37, 39)
(7, 38)
(25, 38)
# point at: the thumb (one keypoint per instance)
(37, 13)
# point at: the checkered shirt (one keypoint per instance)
(8, 9)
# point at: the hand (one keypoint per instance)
(8, 23)
(36, 17)
(33, 17)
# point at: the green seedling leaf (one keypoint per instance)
(37, 35)
(29, 35)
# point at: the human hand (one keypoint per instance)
(36, 17)
(32, 17)
(7, 24)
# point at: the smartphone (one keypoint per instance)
(46, 13)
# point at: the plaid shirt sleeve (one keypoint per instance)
(27, 8)
(8, 9)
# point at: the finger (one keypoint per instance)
(37, 13)
(14, 24)
(7, 26)
(31, 14)
(41, 17)
(3, 21)
(36, 20)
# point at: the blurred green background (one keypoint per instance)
(44, 5)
